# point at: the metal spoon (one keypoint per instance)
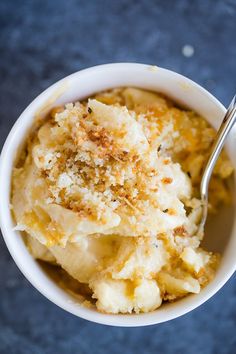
(226, 125)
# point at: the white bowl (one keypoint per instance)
(78, 86)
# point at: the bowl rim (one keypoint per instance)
(6, 160)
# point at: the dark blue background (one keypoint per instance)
(43, 41)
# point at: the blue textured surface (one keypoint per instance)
(43, 41)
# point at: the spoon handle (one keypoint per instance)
(226, 125)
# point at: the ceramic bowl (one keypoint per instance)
(221, 232)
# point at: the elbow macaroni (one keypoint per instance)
(103, 193)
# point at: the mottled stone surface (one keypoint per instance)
(41, 42)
